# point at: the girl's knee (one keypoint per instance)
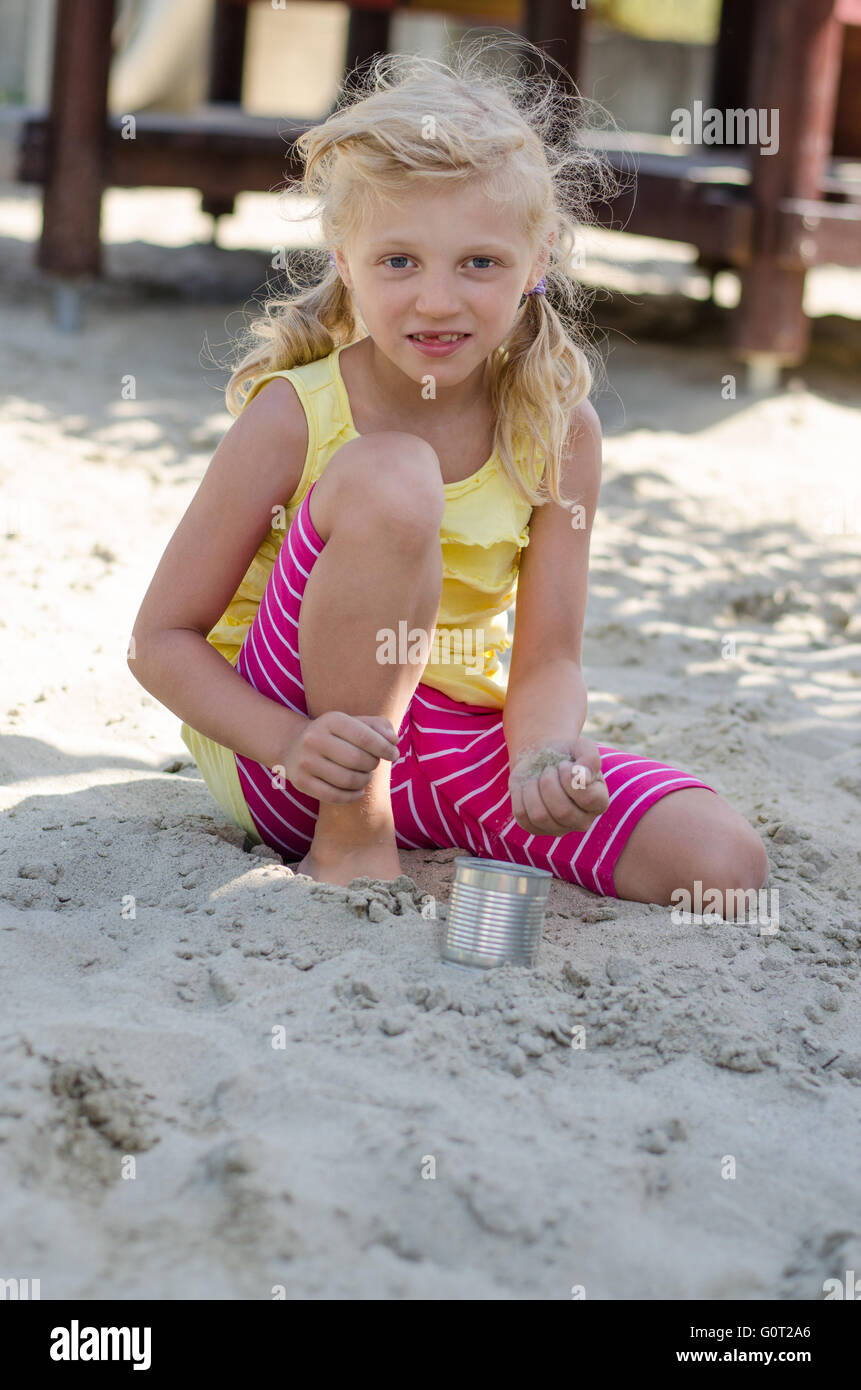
(391, 477)
(733, 858)
(691, 841)
(757, 859)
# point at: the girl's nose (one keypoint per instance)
(436, 296)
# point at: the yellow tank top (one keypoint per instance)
(485, 526)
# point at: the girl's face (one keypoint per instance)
(440, 261)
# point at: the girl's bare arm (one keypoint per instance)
(255, 469)
(546, 696)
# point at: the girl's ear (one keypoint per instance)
(543, 260)
(341, 267)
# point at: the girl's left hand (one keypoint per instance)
(563, 798)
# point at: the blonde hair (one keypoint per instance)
(521, 135)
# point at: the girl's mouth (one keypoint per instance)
(438, 344)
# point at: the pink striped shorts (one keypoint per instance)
(450, 782)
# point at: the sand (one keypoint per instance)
(219, 1079)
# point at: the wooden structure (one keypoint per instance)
(770, 215)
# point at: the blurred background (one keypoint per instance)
(163, 49)
(128, 127)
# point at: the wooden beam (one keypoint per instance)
(74, 152)
(816, 233)
(220, 154)
(716, 220)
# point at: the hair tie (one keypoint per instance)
(332, 257)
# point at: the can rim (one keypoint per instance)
(503, 865)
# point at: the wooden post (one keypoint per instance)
(226, 68)
(227, 55)
(367, 34)
(77, 138)
(731, 71)
(795, 70)
(549, 20)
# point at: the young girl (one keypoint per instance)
(328, 618)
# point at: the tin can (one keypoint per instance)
(495, 914)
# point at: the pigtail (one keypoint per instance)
(292, 332)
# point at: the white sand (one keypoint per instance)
(150, 1035)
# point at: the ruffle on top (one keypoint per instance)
(484, 528)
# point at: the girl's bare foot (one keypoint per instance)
(342, 866)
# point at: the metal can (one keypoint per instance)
(495, 914)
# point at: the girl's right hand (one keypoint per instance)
(336, 754)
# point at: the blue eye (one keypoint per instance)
(387, 259)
